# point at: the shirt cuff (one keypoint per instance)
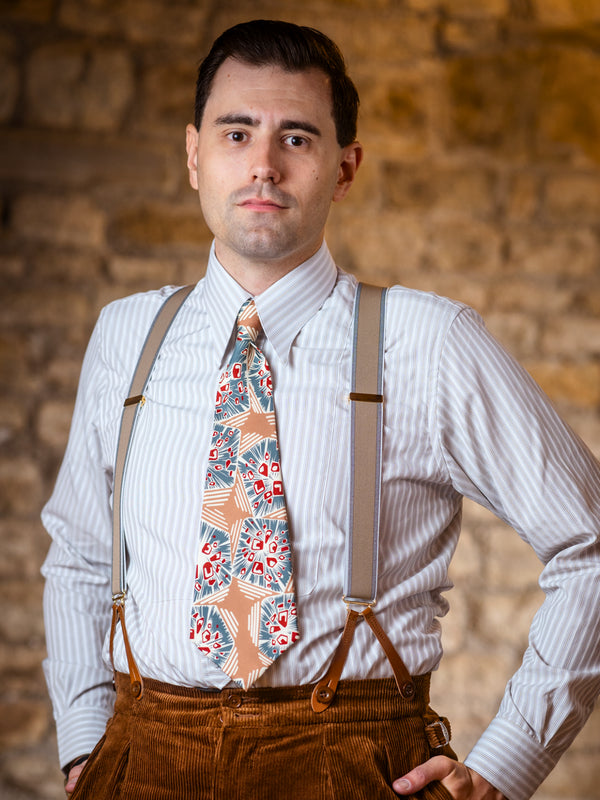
(510, 760)
(79, 731)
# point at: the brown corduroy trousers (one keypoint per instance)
(177, 743)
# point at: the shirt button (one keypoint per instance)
(234, 701)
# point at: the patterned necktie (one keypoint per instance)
(244, 612)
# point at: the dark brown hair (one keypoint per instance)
(294, 48)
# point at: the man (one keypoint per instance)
(272, 146)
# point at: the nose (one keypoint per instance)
(265, 165)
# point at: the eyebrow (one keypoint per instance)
(253, 122)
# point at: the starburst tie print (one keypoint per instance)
(244, 611)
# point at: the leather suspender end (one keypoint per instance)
(132, 401)
(361, 397)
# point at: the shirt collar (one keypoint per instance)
(284, 308)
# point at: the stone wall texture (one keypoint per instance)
(481, 122)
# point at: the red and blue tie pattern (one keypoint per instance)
(244, 612)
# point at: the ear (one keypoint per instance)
(191, 146)
(351, 157)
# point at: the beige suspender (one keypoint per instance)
(362, 544)
(158, 331)
(366, 397)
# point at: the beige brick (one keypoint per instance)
(466, 289)
(157, 226)
(463, 246)
(13, 418)
(573, 197)
(24, 723)
(54, 423)
(534, 296)
(590, 301)
(523, 197)
(12, 265)
(403, 37)
(9, 79)
(467, 564)
(46, 307)
(511, 564)
(21, 623)
(36, 11)
(145, 272)
(191, 270)
(507, 617)
(424, 188)
(573, 337)
(569, 124)
(517, 332)
(14, 367)
(465, 35)
(539, 251)
(73, 220)
(178, 22)
(63, 370)
(62, 267)
(566, 13)
(36, 776)
(489, 100)
(394, 113)
(76, 161)
(22, 486)
(577, 775)
(69, 85)
(455, 625)
(389, 245)
(577, 383)
(475, 8)
(586, 423)
(24, 545)
(167, 96)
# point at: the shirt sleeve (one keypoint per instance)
(506, 448)
(77, 600)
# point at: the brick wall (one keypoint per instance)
(481, 121)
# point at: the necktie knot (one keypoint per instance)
(248, 321)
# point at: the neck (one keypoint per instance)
(257, 276)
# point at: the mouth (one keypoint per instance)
(260, 204)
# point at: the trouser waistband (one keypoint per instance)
(356, 700)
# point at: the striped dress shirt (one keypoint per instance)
(461, 418)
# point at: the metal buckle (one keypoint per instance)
(445, 733)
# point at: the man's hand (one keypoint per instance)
(74, 773)
(462, 783)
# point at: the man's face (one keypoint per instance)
(267, 165)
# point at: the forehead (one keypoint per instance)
(270, 91)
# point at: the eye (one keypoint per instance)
(237, 136)
(294, 140)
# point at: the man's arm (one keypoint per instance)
(504, 447)
(77, 572)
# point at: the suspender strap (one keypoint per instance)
(366, 398)
(156, 335)
(362, 543)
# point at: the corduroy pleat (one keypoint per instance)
(177, 743)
